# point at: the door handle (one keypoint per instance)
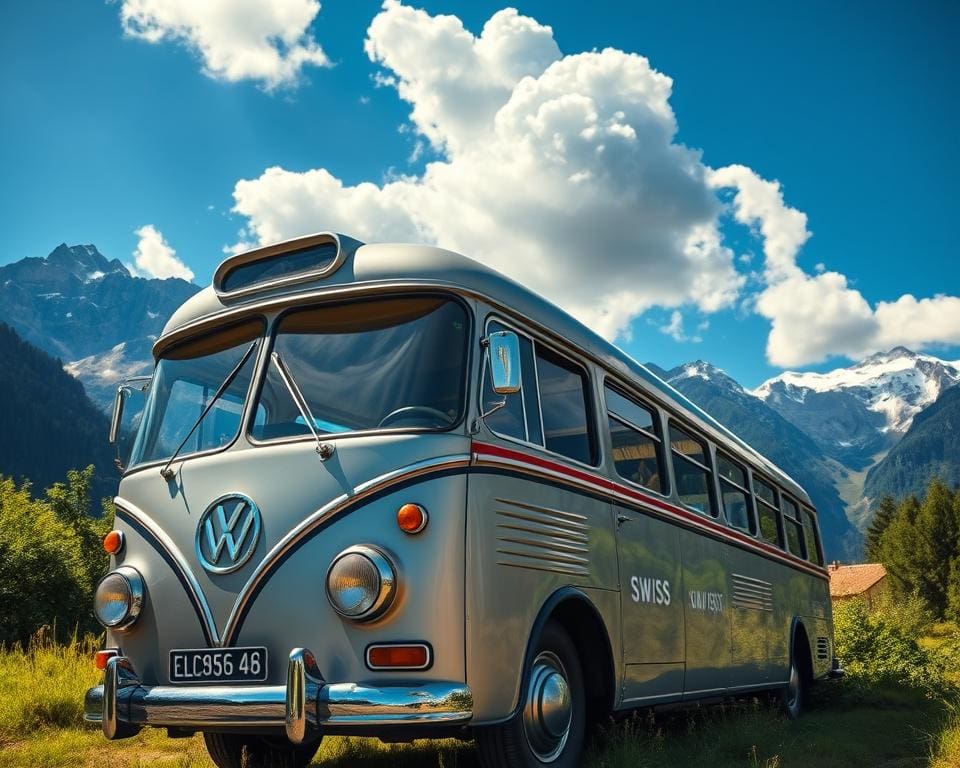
(622, 518)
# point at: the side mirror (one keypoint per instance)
(504, 354)
(123, 392)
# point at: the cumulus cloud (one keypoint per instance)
(814, 317)
(268, 42)
(153, 256)
(561, 171)
(674, 328)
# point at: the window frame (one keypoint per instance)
(625, 392)
(753, 524)
(817, 536)
(756, 477)
(597, 452)
(711, 474)
(784, 498)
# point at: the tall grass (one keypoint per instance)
(42, 685)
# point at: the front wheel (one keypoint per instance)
(793, 693)
(229, 750)
(549, 729)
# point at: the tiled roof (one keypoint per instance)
(850, 580)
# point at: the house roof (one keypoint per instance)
(851, 580)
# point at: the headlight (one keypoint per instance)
(361, 583)
(118, 598)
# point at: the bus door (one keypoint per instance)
(649, 556)
(704, 590)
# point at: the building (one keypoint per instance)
(866, 582)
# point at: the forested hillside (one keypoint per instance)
(48, 424)
(930, 449)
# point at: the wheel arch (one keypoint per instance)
(800, 650)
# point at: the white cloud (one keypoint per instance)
(268, 42)
(561, 171)
(153, 256)
(818, 316)
(674, 328)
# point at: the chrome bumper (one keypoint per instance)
(122, 705)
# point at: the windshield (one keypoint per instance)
(186, 379)
(396, 363)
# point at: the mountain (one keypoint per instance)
(775, 437)
(930, 448)
(856, 414)
(90, 312)
(48, 423)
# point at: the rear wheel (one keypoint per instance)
(230, 750)
(794, 691)
(549, 730)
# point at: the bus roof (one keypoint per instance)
(386, 264)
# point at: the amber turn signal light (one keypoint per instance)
(398, 656)
(412, 518)
(102, 657)
(113, 542)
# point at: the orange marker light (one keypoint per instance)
(412, 518)
(398, 657)
(102, 657)
(113, 542)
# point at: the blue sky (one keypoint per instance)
(851, 108)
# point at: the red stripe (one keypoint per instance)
(612, 487)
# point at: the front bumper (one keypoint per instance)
(122, 705)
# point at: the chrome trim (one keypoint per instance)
(176, 556)
(345, 500)
(386, 576)
(123, 705)
(137, 591)
(278, 249)
(376, 668)
(304, 683)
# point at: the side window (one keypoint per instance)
(520, 417)
(734, 494)
(811, 537)
(792, 527)
(637, 446)
(563, 405)
(767, 512)
(691, 470)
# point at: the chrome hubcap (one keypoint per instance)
(548, 711)
(793, 687)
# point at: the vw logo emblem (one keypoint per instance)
(227, 533)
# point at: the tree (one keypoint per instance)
(70, 502)
(884, 515)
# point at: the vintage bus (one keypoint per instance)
(383, 490)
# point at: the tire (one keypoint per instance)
(539, 735)
(230, 750)
(794, 692)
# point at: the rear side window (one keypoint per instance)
(637, 445)
(792, 527)
(767, 512)
(811, 537)
(691, 470)
(734, 494)
(563, 405)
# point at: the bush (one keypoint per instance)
(881, 646)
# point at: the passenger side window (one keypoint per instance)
(637, 446)
(520, 417)
(767, 512)
(792, 528)
(563, 405)
(811, 537)
(734, 494)
(691, 470)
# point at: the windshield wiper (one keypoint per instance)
(325, 450)
(168, 473)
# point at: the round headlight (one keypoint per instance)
(361, 583)
(118, 598)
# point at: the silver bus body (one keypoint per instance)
(663, 601)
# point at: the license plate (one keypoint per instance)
(218, 665)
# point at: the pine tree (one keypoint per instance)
(882, 518)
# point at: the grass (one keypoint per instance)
(848, 724)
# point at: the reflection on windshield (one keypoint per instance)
(376, 364)
(186, 379)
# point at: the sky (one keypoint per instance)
(762, 186)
